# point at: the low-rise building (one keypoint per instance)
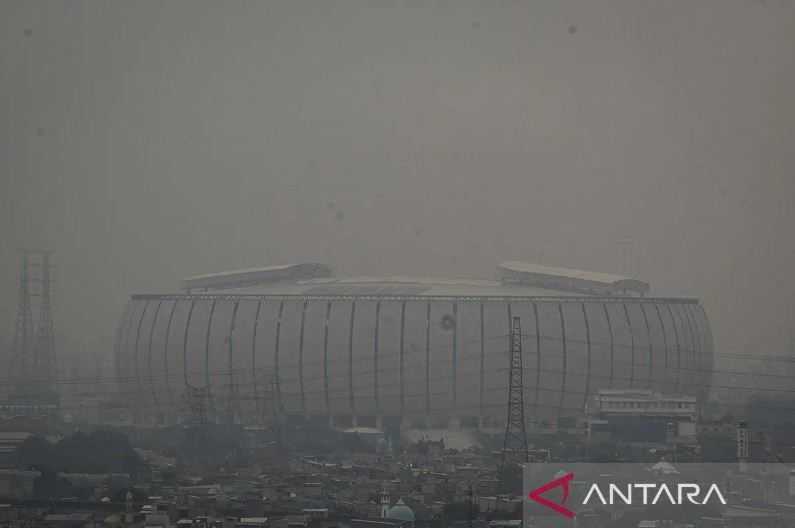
(69, 520)
(17, 484)
(252, 522)
(642, 416)
(9, 442)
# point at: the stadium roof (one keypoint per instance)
(569, 279)
(515, 279)
(253, 276)
(397, 286)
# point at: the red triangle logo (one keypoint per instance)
(562, 482)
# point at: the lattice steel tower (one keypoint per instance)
(33, 350)
(44, 356)
(21, 348)
(514, 449)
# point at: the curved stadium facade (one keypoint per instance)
(360, 350)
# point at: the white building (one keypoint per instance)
(643, 415)
(617, 402)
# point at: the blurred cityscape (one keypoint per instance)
(423, 403)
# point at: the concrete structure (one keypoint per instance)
(373, 351)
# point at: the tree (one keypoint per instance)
(97, 452)
(36, 453)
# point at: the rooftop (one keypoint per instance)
(514, 280)
(569, 279)
(400, 512)
(251, 276)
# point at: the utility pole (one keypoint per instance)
(514, 449)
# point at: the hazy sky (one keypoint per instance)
(145, 141)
